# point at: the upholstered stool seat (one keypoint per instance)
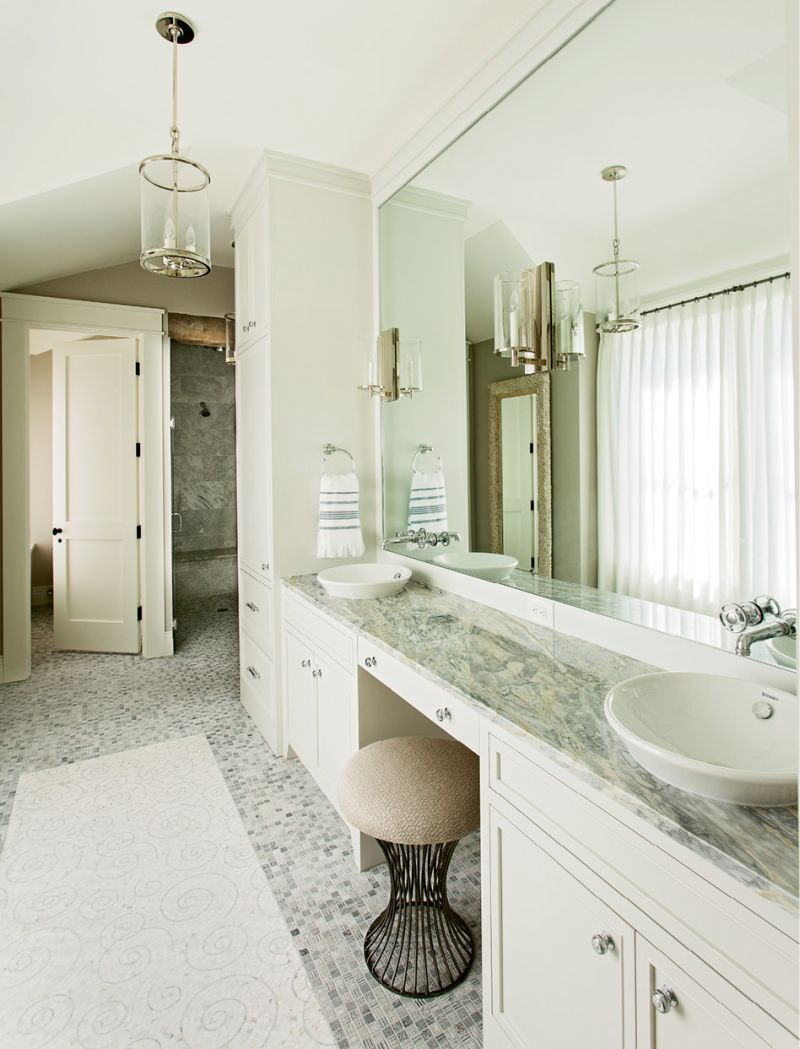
(417, 797)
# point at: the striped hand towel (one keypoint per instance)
(339, 520)
(427, 504)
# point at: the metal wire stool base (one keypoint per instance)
(419, 946)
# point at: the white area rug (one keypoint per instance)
(134, 914)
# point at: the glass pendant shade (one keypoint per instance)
(409, 367)
(176, 227)
(617, 296)
(523, 317)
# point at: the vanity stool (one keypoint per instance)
(417, 796)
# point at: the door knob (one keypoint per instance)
(664, 999)
(57, 531)
(602, 943)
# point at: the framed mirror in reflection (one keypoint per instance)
(649, 475)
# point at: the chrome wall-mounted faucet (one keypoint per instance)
(750, 621)
(421, 538)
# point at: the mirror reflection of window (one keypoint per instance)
(518, 440)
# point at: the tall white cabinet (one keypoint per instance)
(303, 241)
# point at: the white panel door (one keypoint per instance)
(253, 458)
(517, 414)
(95, 496)
(301, 700)
(549, 986)
(334, 717)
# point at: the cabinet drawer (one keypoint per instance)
(455, 717)
(255, 610)
(741, 945)
(331, 639)
(258, 694)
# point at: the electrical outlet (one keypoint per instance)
(540, 611)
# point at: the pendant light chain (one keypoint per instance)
(175, 32)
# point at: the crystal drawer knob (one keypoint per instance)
(602, 943)
(305, 663)
(370, 661)
(664, 999)
(443, 714)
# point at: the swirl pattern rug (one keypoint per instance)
(135, 914)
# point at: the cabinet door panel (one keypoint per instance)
(549, 986)
(253, 445)
(258, 256)
(334, 689)
(697, 1020)
(301, 700)
(242, 283)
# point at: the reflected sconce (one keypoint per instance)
(524, 305)
(175, 211)
(617, 281)
(395, 367)
(230, 349)
(570, 344)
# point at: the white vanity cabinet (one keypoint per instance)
(319, 681)
(573, 961)
(251, 261)
(253, 446)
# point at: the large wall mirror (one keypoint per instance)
(648, 474)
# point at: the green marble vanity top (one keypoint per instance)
(553, 686)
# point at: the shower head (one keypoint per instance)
(204, 410)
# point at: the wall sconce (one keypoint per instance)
(570, 344)
(523, 317)
(395, 367)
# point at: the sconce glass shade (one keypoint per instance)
(175, 216)
(570, 344)
(409, 367)
(523, 317)
(617, 291)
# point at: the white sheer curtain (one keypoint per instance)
(696, 465)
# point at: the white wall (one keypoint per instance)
(422, 294)
(130, 285)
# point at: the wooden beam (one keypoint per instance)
(197, 331)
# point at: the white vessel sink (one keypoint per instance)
(703, 733)
(485, 566)
(784, 651)
(364, 580)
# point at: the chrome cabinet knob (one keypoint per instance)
(664, 999)
(317, 672)
(305, 663)
(370, 661)
(265, 566)
(443, 714)
(602, 943)
(253, 672)
(251, 606)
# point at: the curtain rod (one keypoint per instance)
(714, 294)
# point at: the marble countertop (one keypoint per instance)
(552, 687)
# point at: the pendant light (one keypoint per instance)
(176, 237)
(617, 282)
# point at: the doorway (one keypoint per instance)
(111, 338)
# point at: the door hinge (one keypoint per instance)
(138, 368)
(533, 505)
(139, 614)
(531, 448)
(138, 531)
(533, 563)
(138, 449)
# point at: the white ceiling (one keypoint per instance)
(344, 83)
(690, 96)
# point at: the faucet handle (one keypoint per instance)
(768, 605)
(790, 619)
(738, 618)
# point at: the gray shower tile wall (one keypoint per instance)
(203, 465)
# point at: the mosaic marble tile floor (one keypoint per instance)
(77, 706)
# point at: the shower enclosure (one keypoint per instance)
(203, 473)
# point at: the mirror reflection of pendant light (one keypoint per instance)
(176, 227)
(617, 282)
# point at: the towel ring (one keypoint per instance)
(329, 449)
(424, 449)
